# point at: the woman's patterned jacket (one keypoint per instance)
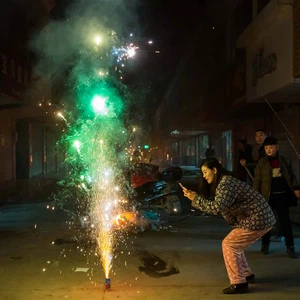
(239, 204)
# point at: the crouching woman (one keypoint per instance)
(244, 209)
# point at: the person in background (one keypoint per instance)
(210, 152)
(276, 181)
(260, 136)
(245, 152)
(244, 209)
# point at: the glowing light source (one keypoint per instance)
(98, 40)
(59, 114)
(131, 52)
(77, 145)
(99, 105)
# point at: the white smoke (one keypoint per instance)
(84, 19)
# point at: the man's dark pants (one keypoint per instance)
(280, 204)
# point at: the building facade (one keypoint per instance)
(28, 130)
(254, 84)
(272, 95)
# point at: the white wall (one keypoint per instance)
(278, 39)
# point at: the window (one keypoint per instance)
(175, 148)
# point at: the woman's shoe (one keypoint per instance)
(240, 288)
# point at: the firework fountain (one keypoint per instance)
(96, 142)
(93, 110)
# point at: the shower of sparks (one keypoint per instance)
(124, 53)
(103, 214)
(99, 149)
(96, 145)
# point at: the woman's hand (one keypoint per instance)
(243, 162)
(188, 193)
(297, 193)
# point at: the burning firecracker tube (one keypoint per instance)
(107, 284)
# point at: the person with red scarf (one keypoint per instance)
(275, 179)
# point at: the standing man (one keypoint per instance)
(276, 181)
(260, 136)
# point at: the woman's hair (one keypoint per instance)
(206, 189)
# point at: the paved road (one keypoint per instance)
(39, 257)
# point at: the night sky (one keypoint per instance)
(171, 24)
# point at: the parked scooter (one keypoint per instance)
(156, 190)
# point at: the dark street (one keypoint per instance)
(39, 259)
